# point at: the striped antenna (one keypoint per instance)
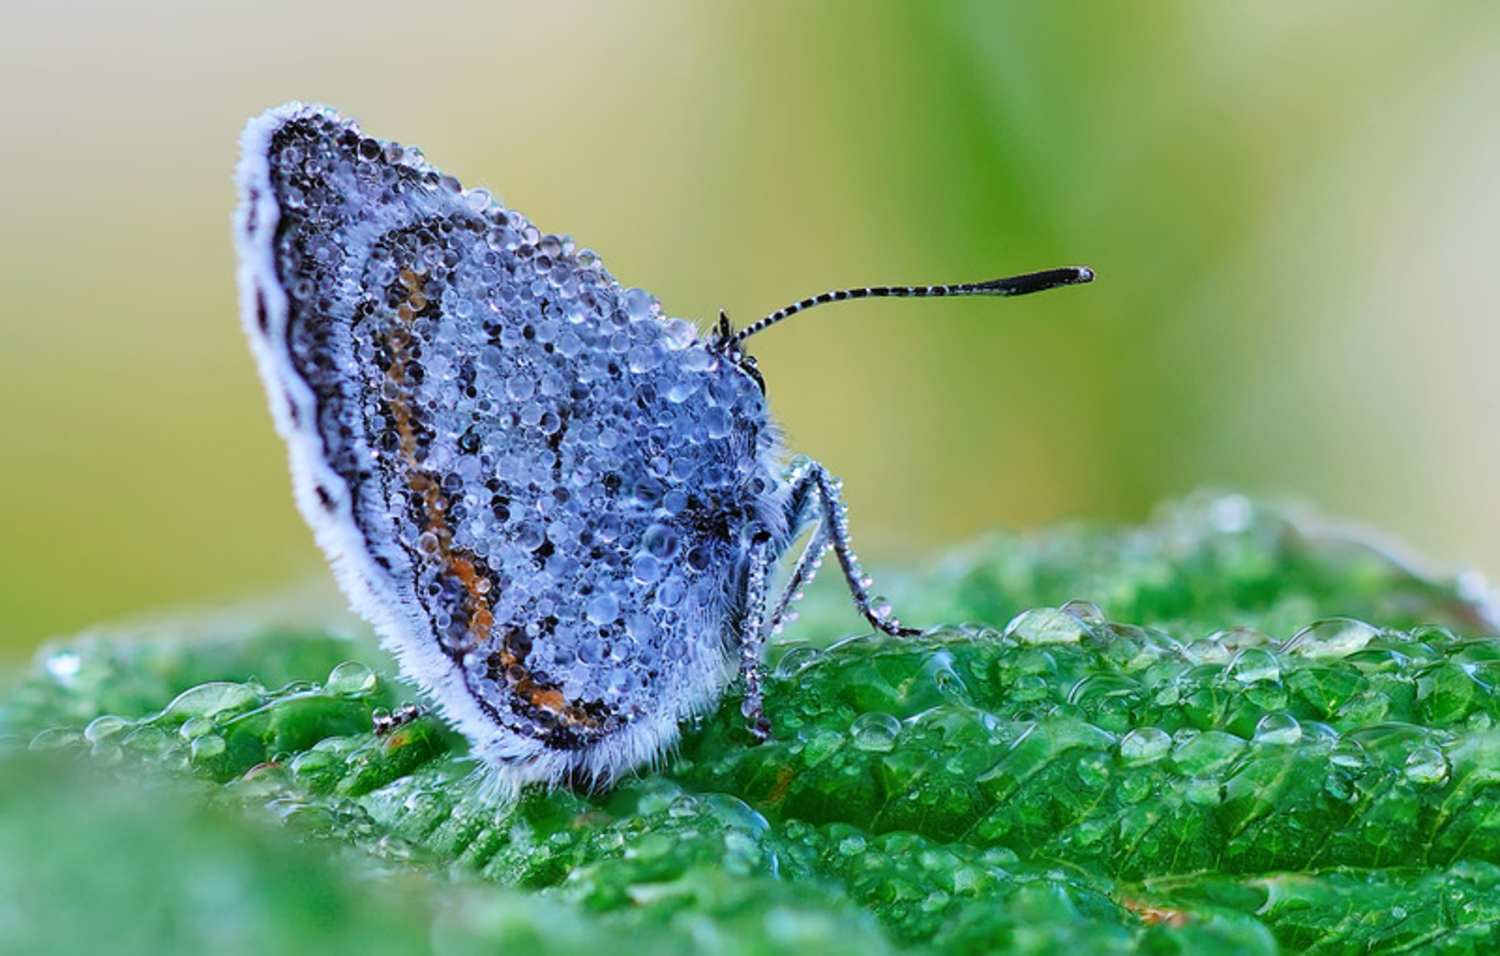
(1012, 285)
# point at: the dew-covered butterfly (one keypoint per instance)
(557, 506)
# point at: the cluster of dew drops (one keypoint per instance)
(572, 427)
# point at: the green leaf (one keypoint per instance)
(1275, 738)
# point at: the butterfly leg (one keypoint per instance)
(753, 638)
(806, 568)
(815, 497)
(386, 724)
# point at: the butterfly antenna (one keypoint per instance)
(1011, 285)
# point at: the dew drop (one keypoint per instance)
(105, 727)
(207, 747)
(603, 608)
(640, 304)
(1145, 745)
(1204, 791)
(350, 678)
(1333, 637)
(1046, 625)
(211, 698)
(1086, 611)
(875, 732)
(1427, 766)
(1277, 730)
(1254, 665)
(795, 659)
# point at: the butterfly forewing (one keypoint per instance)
(535, 486)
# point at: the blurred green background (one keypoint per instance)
(1294, 210)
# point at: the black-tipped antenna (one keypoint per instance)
(1012, 285)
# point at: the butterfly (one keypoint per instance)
(558, 506)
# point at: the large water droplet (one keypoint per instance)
(1046, 625)
(1333, 637)
(1086, 611)
(795, 659)
(1145, 745)
(105, 727)
(875, 732)
(1254, 665)
(1278, 730)
(211, 698)
(352, 678)
(1208, 752)
(1427, 767)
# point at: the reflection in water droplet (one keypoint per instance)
(949, 684)
(1046, 625)
(196, 727)
(207, 747)
(1427, 766)
(1030, 687)
(1086, 611)
(209, 699)
(875, 732)
(103, 728)
(352, 678)
(1144, 745)
(1239, 638)
(1278, 730)
(1347, 753)
(1207, 752)
(795, 659)
(1221, 646)
(1254, 665)
(1332, 637)
(1338, 787)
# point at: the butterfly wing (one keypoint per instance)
(534, 486)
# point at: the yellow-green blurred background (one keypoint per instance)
(1294, 210)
